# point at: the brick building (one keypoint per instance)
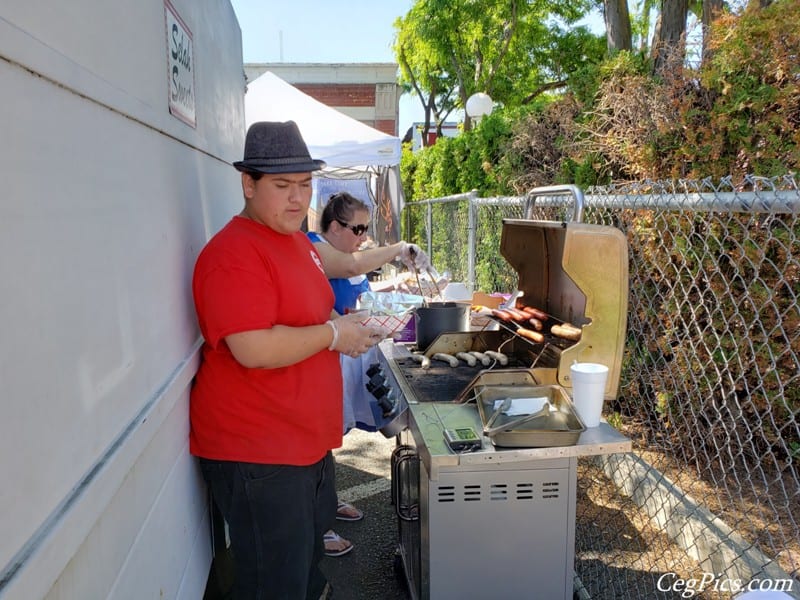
(367, 92)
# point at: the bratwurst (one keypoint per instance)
(567, 331)
(529, 334)
(448, 358)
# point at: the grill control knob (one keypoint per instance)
(387, 403)
(374, 369)
(377, 387)
(379, 391)
(377, 379)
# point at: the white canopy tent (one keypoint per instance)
(351, 149)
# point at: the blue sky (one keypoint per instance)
(324, 31)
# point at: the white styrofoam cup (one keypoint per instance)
(588, 388)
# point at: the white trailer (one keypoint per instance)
(118, 124)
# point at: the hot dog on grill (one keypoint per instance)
(534, 336)
(503, 315)
(534, 312)
(566, 331)
(517, 314)
(536, 323)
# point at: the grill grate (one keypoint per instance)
(443, 383)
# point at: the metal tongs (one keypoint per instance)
(416, 276)
(504, 406)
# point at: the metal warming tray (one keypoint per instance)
(560, 426)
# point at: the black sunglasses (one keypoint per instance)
(357, 229)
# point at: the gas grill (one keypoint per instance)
(495, 521)
(442, 382)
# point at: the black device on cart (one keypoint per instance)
(462, 439)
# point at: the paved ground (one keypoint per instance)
(367, 572)
(362, 476)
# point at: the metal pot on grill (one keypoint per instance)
(435, 318)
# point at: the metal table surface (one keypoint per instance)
(431, 418)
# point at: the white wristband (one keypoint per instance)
(335, 334)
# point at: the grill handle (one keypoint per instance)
(556, 190)
(404, 475)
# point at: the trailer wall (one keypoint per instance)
(107, 198)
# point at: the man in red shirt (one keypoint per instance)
(266, 406)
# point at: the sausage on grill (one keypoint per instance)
(498, 356)
(481, 356)
(503, 315)
(448, 358)
(517, 314)
(534, 336)
(467, 358)
(534, 312)
(424, 361)
(566, 331)
(536, 323)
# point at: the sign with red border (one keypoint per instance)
(180, 66)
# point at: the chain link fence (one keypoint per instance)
(708, 503)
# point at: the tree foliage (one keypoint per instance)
(449, 49)
(737, 113)
(751, 87)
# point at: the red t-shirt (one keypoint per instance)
(250, 277)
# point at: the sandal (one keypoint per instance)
(347, 512)
(336, 545)
(327, 593)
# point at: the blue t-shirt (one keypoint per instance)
(346, 291)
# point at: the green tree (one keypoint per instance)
(514, 50)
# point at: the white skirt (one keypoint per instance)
(357, 400)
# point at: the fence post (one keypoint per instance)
(472, 226)
(429, 228)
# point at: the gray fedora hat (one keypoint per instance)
(276, 148)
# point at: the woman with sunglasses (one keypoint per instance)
(344, 224)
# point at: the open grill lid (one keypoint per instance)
(577, 273)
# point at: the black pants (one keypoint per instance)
(277, 516)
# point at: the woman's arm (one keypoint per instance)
(338, 264)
